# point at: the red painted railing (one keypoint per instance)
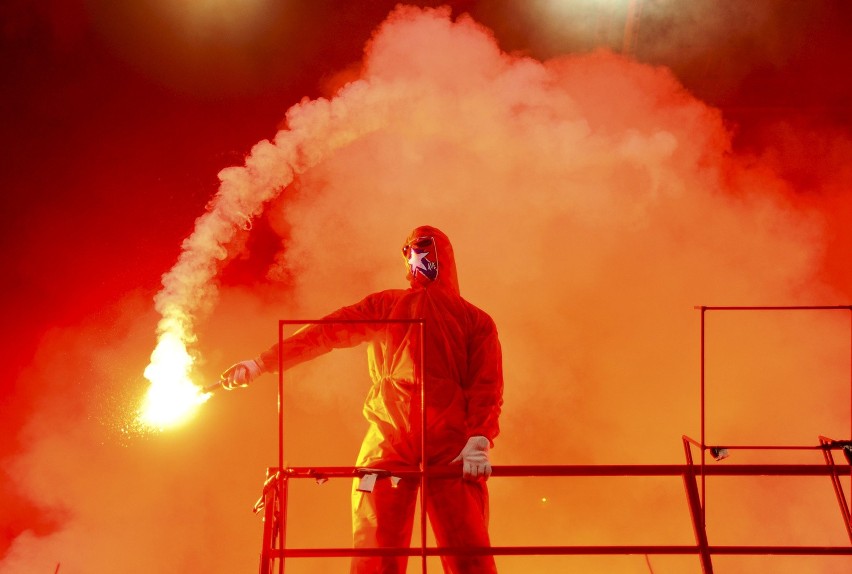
(273, 502)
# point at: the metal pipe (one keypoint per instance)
(281, 507)
(777, 308)
(703, 441)
(423, 460)
(567, 551)
(542, 471)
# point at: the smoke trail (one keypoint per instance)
(315, 129)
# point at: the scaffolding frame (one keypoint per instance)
(825, 444)
(273, 501)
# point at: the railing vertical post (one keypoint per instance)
(266, 545)
(703, 500)
(269, 502)
(837, 485)
(697, 515)
(423, 463)
(283, 498)
(280, 484)
(280, 396)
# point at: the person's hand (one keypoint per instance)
(241, 374)
(474, 456)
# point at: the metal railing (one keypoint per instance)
(276, 492)
(273, 502)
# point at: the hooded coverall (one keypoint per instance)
(464, 385)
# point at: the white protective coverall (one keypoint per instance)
(464, 386)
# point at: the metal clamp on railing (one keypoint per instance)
(268, 484)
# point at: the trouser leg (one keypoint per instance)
(380, 519)
(458, 512)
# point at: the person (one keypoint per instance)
(463, 373)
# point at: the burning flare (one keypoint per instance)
(172, 397)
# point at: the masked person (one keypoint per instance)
(463, 374)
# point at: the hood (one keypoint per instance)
(447, 276)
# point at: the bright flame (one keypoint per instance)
(172, 397)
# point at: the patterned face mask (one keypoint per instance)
(422, 257)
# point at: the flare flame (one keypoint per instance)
(172, 397)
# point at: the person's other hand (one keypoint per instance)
(474, 456)
(241, 374)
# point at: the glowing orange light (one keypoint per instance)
(202, 19)
(172, 397)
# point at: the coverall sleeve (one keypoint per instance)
(484, 382)
(317, 339)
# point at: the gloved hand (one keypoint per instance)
(474, 455)
(241, 374)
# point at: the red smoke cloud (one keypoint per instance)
(592, 202)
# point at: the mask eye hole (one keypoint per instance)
(419, 243)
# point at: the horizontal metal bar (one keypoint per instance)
(562, 551)
(784, 550)
(494, 550)
(317, 472)
(774, 308)
(349, 321)
(775, 447)
(827, 444)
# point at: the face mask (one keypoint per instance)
(422, 258)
